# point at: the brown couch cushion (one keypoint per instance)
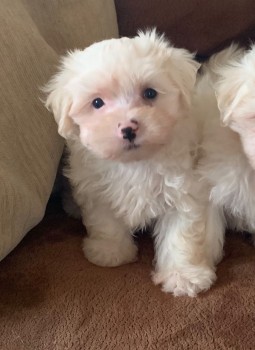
(198, 25)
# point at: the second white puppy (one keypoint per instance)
(124, 107)
(228, 125)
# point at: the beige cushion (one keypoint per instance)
(31, 35)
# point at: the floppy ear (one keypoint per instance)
(185, 72)
(236, 103)
(60, 97)
(60, 103)
(230, 95)
(237, 108)
(235, 86)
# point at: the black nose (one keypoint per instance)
(128, 134)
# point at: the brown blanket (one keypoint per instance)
(51, 298)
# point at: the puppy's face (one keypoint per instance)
(236, 100)
(123, 97)
(129, 108)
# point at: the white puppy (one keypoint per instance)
(236, 97)
(124, 107)
(228, 145)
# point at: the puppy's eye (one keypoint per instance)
(97, 103)
(149, 94)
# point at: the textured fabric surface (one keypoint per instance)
(30, 34)
(51, 298)
(69, 24)
(199, 25)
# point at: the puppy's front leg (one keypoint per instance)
(182, 265)
(109, 241)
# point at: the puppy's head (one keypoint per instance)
(235, 93)
(122, 97)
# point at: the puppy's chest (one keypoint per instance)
(140, 194)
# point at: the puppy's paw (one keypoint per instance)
(110, 252)
(189, 283)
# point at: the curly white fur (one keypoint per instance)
(228, 147)
(121, 188)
